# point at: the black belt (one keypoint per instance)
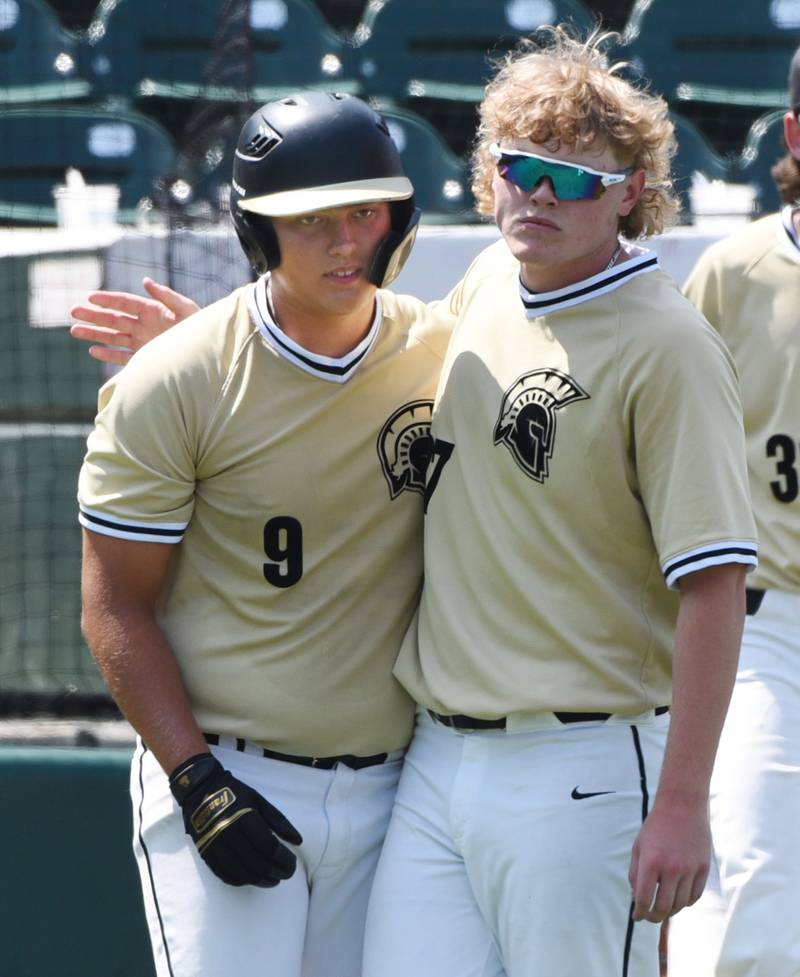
(323, 762)
(753, 597)
(472, 722)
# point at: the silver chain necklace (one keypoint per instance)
(614, 257)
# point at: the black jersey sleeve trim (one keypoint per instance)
(738, 552)
(152, 532)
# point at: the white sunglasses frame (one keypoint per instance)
(606, 179)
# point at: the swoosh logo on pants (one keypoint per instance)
(578, 795)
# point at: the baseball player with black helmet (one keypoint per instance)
(251, 499)
(539, 746)
(746, 924)
(587, 535)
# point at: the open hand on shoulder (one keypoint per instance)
(119, 323)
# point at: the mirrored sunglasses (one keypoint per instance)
(570, 181)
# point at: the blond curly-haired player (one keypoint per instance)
(587, 535)
(746, 924)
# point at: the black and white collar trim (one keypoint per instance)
(790, 238)
(335, 369)
(539, 303)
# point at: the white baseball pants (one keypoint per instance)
(508, 853)
(308, 926)
(747, 922)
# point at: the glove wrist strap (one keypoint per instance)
(187, 776)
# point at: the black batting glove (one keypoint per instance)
(235, 830)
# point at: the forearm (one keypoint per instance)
(707, 641)
(670, 859)
(139, 667)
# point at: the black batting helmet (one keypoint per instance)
(314, 150)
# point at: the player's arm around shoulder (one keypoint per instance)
(671, 856)
(164, 397)
(119, 323)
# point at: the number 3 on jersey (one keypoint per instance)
(440, 455)
(283, 544)
(785, 487)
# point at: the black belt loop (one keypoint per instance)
(596, 717)
(328, 762)
(582, 717)
(472, 722)
(467, 722)
(753, 597)
(323, 763)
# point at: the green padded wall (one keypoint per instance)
(70, 902)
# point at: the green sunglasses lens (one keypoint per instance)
(569, 183)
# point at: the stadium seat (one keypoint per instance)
(141, 49)
(107, 146)
(415, 48)
(38, 59)
(763, 148)
(734, 54)
(440, 178)
(694, 155)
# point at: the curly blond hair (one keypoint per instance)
(560, 91)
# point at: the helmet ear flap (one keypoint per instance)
(394, 249)
(258, 240)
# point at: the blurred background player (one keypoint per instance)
(251, 499)
(746, 923)
(587, 535)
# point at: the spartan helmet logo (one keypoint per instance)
(527, 421)
(405, 445)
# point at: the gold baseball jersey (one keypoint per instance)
(293, 484)
(588, 452)
(748, 287)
